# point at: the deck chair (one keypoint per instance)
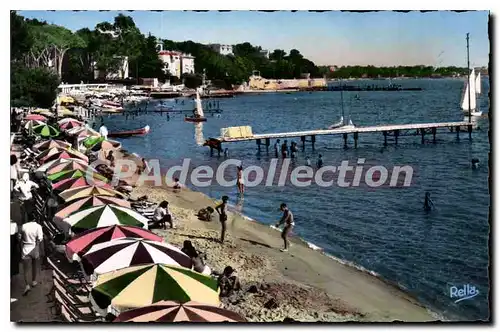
(75, 280)
(69, 311)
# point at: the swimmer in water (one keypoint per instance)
(475, 163)
(428, 204)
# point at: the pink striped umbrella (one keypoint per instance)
(67, 125)
(84, 241)
(78, 182)
(88, 202)
(35, 117)
(170, 311)
(70, 165)
(66, 154)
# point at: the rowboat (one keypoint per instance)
(129, 133)
(194, 119)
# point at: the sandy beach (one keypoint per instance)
(306, 285)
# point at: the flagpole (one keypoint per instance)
(468, 76)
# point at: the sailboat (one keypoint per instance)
(469, 98)
(342, 123)
(198, 116)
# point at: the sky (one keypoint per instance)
(327, 38)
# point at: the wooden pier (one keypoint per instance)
(395, 131)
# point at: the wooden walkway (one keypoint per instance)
(418, 129)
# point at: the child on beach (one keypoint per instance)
(287, 219)
(177, 185)
(228, 282)
(221, 209)
(196, 258)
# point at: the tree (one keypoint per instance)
(32, 86)
(277, 55)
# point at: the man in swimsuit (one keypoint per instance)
(287, 219)
(221, 209)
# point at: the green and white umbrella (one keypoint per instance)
(46, 131)
(142, 285)
(104, 215)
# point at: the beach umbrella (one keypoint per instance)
(142, 285)
(75, 174)
(48, 165)
(121, 253)
(91, 141)
(49, 152)
(106, 145)
(44, 112)
(67, 125)
(83, 132)
(78, 182)
(35, 117)
(53, 143)
(87, 202)
(69, 153)
(46, 131)
(63, 120)
(81, 192)
(66, 99)
(33, 123)
(105, 215)
(70, 165)
(80, 244)
(171, 311)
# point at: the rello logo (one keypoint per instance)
(465, 292)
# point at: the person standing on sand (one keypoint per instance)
(287, 219)
(221, 209)
(284, 149)
(239, 182)
(277, 148)
(31, 237)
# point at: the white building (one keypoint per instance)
(222, 49)
(177, 63)
(264, 53)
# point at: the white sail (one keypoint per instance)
(478, 83)
(470, 89)
(199, 108)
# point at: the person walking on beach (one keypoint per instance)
(31, 237)
(24, 188)
(239, 182)
(103, 131)
(221, 209)
(14, 171)
(287, 219)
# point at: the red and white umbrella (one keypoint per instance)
(35, 117)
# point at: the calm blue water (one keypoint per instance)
(384, 230)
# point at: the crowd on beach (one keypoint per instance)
(95, 237)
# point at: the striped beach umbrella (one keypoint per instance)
(52, 143)
(78, 182)
(70, 165)
(81, 192)
(33, 123)
(92, 140)
(80, 244)
(83, 132)
(49, 152)
(63, 111)
(48, 165)
(104, 215)
(72, 123)
(171, 311)
(142, 285)
(68, 153)
(106, 145)
(87, 202)
(46, 131)
(121, 253)
(41, 110)
(37, 117)
(75, 174)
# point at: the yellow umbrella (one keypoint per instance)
(63, 111)
(86, 191)
(66, 99)
(142, 285)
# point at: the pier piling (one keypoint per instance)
(258, 144)
(355, 135)
(434, 135)
(313, 140)
(268, 142)
(385, 138)
(469, 128)
(422, 132)
(345, 140)
(457, 129)
(396, 135)
(303, 140)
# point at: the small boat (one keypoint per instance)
(198, 116)
(129, 133)
(111, 104)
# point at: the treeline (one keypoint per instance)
(391, 72)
